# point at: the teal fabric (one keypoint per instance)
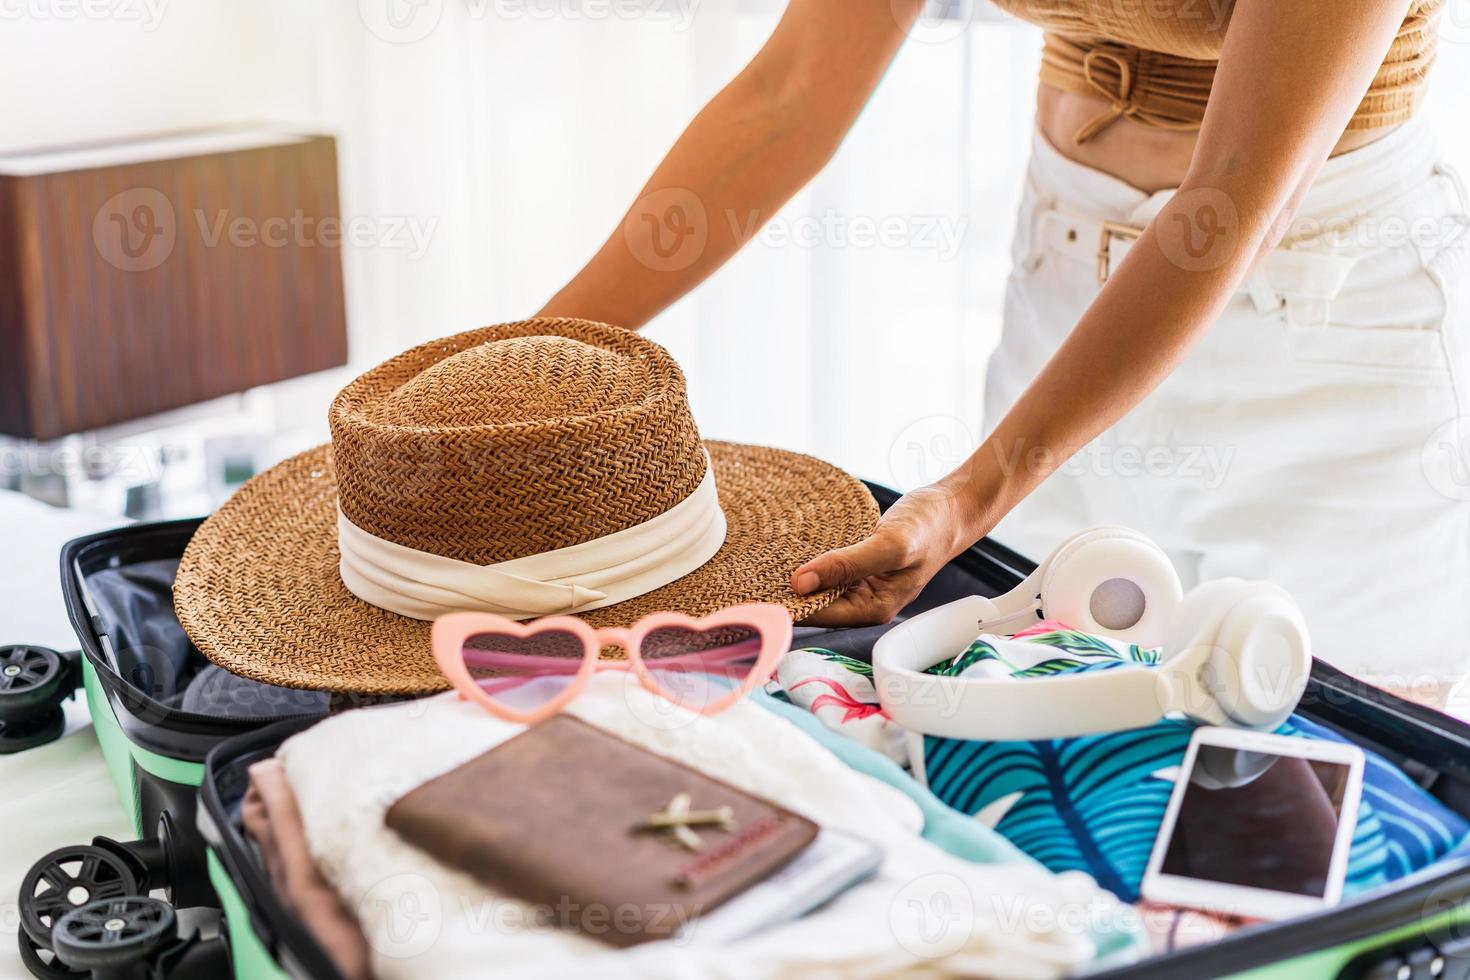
(1118, 941)
(943, 826)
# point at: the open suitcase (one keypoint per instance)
(134, 667)
(1418, 927)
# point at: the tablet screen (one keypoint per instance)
(1259, 820)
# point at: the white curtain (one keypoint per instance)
(524, 128)
(855, 327)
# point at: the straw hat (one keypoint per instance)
(542, 466)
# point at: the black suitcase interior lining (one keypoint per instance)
(165, 694)
(135, 611)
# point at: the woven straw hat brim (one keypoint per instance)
(259, 593)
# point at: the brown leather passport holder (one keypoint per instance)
(559, 816)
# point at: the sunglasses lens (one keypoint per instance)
(698, 667)
(523, 673)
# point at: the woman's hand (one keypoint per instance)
(914, 539)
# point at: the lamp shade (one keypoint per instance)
(147, 275)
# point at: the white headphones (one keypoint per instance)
(1235, 652)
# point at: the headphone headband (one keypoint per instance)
(1236, 652)
(998, 709)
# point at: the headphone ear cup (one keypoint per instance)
(1112, 581)
(1255, 653)
(1263, 657)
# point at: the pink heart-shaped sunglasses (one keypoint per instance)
(527, 671)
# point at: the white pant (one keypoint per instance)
(1317, 435)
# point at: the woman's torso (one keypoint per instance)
(1144, 156)
(1124, 82)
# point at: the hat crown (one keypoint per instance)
(515, 440)
(520, 379)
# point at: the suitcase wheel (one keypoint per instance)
(30, 678)
(42, 962)
(29, 733)
(66, 879)
(33, 683)
(113, 933)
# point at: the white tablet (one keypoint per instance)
(1259, 825)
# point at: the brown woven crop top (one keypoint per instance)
(1154, 60)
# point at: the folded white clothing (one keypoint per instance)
(925, 912)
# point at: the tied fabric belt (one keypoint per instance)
(579, 578)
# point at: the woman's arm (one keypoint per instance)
(755, 145)
(1289, 78)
